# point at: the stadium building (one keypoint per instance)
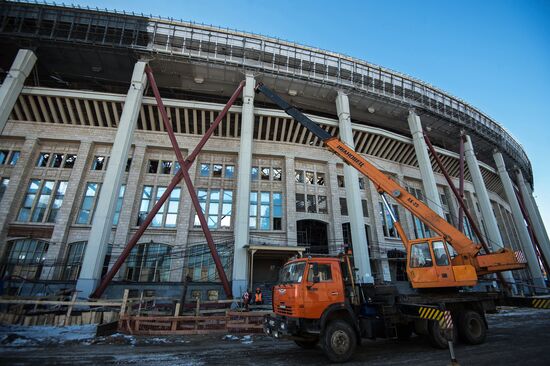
(71, 77)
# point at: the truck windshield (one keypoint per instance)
(292, 273)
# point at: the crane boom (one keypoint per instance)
(469, 252)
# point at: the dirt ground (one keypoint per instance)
(516, 336)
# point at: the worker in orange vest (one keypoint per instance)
(258, 300)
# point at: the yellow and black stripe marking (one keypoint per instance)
(541, 303)
(430, 313)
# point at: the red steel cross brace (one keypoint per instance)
(183, 173)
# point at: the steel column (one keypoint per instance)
(181, 174)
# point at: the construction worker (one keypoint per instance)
(258, 300)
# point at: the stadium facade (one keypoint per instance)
(82, 133)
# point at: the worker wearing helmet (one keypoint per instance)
(258, 299)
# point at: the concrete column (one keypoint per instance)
(353, 196)
(337, 218)
(534, 216)
(103, 217)
(13, 83)
(494, 239)
(525, 240)
(64, 218)
(291, 234)
(240, 256)
(424, 163)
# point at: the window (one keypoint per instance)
(420, 256)
(146, 198)
(57, 201)
(300, 202)
(322, 204)
(265, 172)
(168, 213)
(292, 273)
(165, 167)
(325, 274)
(118, 206)
(99, 163)
(277, 174)
(14, 157)
(43, 160)
(205, 170)
(70, 159)
(365, 208)
(299, 176)
(153, 167)
(73, 262)
(217, 170)
(341, 182)
(128, 165)
(3, 186)
(3, 156)
(229, 171)
(107, 260)
(310, 177)
(217, 206)
(387, 223)
(361, 183)
(311, 203)
(441, 258)
(25, 258)
(264, 211)
(149, 262)
(213, 209)
(421, 230)
(320, 179)
(253, 211)
(346, 233)
(443, 197)
(86, 212)
(227, 205)
(200, 265)
(38, 201)
(277, 211)
(254, 173)
(343, 207)
(57, 159)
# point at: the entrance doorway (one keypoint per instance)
(313, 235)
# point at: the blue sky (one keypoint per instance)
(493, 54)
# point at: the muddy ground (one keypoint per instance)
(516, 336)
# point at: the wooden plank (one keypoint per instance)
(70, 309)
(51, 302)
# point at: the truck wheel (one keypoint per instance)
(339, 341)
(471, 327)
(437, 336)
(307, 344)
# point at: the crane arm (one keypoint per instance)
(460, 242)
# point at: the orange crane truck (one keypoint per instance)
(318, 300)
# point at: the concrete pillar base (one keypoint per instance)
(238, 287)
(86, 285)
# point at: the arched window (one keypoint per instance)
(73, 262)
(75, 257)
(200, 264)
(25, 258)
(149, 262)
